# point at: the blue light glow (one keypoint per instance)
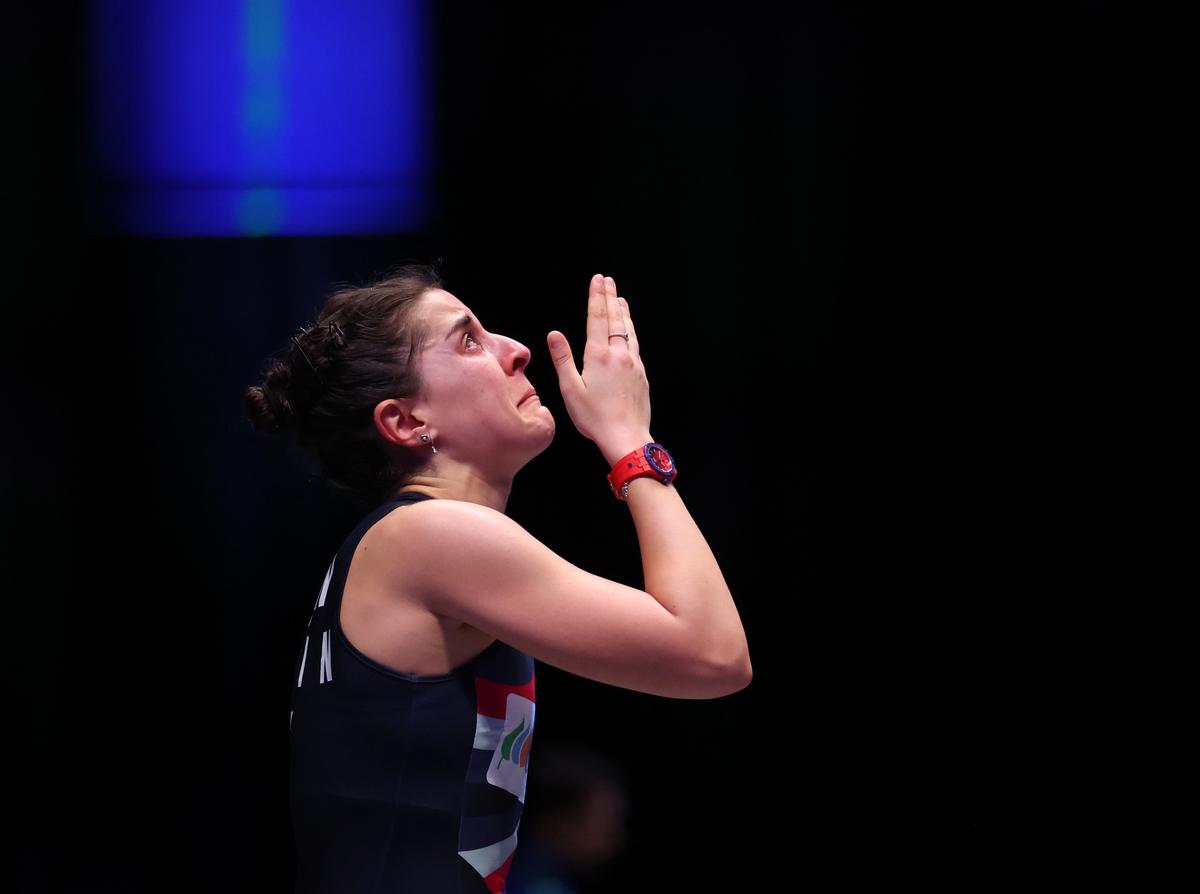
(260, 117)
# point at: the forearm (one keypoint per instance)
(681, 572)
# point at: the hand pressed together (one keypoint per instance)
(609, 402)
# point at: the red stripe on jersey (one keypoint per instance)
(491, 698)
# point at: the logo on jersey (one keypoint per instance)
(509, 769)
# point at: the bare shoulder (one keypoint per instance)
(429, 521)
(431, 537)
(423, 532)
(469, 562)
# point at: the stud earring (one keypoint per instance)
(425, 438)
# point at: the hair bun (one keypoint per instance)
(279, 410)
(266, 404)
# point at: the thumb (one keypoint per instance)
(564, 362)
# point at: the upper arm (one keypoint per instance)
(477, 565)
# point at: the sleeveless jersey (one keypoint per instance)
(404, 783)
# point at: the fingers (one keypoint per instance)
(633, 340)
(564, 361)
(560, 350)
(597, 314)
(616, 319)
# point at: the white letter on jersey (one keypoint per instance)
(326, 669)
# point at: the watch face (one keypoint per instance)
(660, 459)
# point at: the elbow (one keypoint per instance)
(718, 670)
(747, 672)
(741, 674)
(714, 679)
(733, 676)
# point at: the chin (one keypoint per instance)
(548, 436)
(550, 416)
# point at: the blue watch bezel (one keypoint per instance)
(646, 452)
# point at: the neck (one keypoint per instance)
(450, 482)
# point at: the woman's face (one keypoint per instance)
(473, 385)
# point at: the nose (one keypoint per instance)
(518, 354)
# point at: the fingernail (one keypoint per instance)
(596, 277)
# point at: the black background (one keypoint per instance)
(909, 287)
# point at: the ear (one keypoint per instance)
(400, 420)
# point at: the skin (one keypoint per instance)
(473, 380)
(689, 638)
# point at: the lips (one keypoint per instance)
(528, 394)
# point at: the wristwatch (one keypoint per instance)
(651, 459)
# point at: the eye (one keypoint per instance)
(470, 336)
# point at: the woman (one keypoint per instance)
(413, 709)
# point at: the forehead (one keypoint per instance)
(444, 307)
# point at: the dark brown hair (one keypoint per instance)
(326, 385)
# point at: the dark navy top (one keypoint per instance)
(403, 782)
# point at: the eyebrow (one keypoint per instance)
(461, 323)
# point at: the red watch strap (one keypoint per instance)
(634, 465)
